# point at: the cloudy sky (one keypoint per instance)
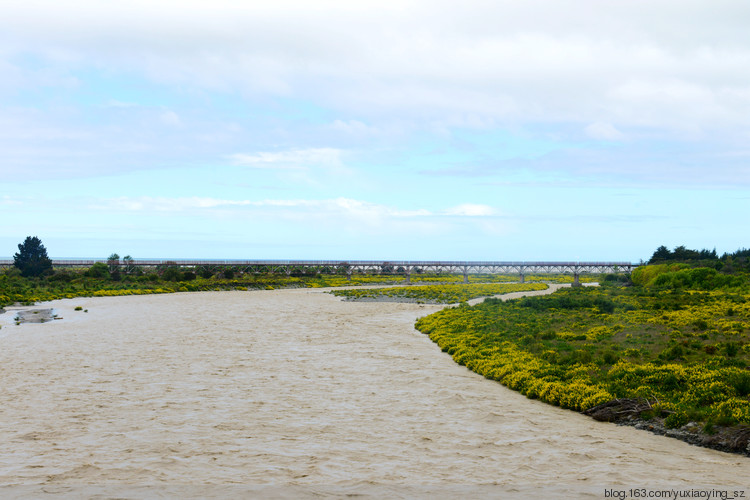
(414, 130)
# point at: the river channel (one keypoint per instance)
(294, 393)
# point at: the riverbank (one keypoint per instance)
(733, 439)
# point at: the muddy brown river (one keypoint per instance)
(296, 393)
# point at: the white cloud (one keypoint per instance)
(353, 127)
(367, 76)
(334, 207)
(503, 60)
(365, 209)
(471, 210)
(163, 204)
(338, 218)
(170, 118)
(8, 201)
(298, 159)
(604, 131)
(114, 103)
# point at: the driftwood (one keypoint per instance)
(619, 409)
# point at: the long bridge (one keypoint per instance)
(348, 267)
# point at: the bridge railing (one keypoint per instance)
(474, 267)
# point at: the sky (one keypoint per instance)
(587, 130)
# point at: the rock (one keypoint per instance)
(691, 427)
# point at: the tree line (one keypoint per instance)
(32, 259)
(727, 262)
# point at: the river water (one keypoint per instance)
(294, 393)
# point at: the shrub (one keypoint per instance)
(700, 324)
(171, 274)
(645, 275)
(674, 352)
(98, 270)
(610, 357)
(740, 381)
(731, 349)
(676, 419)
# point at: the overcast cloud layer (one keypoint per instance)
(410, 129)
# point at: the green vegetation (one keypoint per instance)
(438, 294)
(677, 341)
(32, 259)
(33, 279)
(735, 262)
(128, 279)
(682, 277)
(99, 281)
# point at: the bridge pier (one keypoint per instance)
(522, 279)
(466, 275)
(408, 276)
(576, 282)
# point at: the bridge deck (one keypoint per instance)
(340, 266)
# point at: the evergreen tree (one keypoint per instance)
(661, 253)
(32, 258)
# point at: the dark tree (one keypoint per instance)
(708, 254)
(661, 253)
(32, 258)
(113, 262)
(129, 264)
(682, 253)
